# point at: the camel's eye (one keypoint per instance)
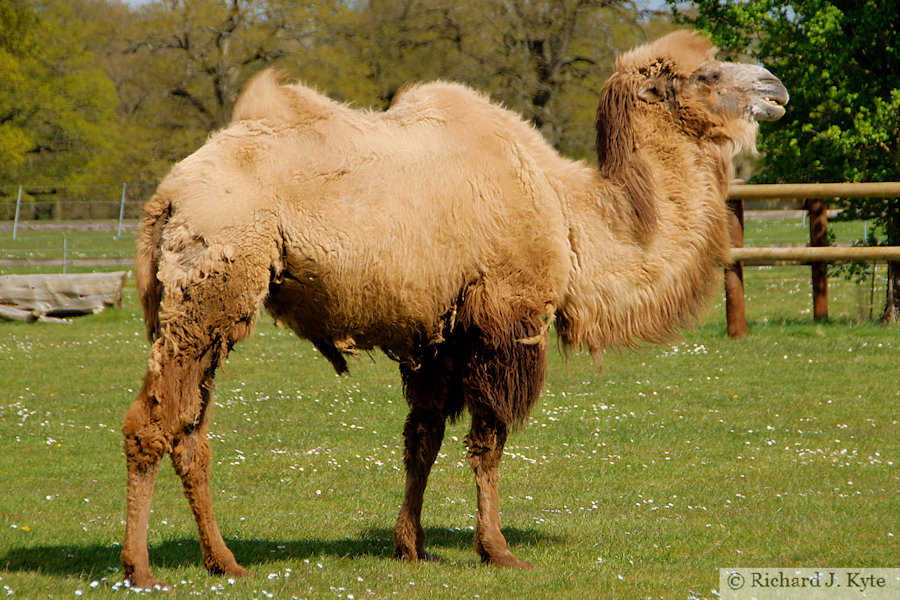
(709, 76)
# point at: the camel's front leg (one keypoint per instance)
(423, 434)
(191, 458)
(145, 445)
(485, 442)
(135, 556)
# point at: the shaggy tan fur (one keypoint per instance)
(444, 231)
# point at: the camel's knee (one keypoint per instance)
(146, 439)
(485, 442)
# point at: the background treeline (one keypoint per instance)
(102, 91)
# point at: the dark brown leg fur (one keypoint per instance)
(423, 434)
(432, 397)
(485, 442)
(498, 378)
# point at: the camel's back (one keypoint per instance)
(384, 219)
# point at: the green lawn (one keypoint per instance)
(779, 449)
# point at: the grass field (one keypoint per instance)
(780, 449)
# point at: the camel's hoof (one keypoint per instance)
(232, 570)
(239, 571)
(146, 582)
(509, 561)
(416, 556)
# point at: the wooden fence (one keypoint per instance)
(817, 254)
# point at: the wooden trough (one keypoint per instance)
(48, 297)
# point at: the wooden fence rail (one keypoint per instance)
(817, 254)
(805, 191)
(810, 255)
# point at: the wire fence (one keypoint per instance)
(27, 203)
(48, 228)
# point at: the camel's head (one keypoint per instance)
(678, 78)
(673, 92)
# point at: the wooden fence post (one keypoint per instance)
(818, 237)
(735, 315)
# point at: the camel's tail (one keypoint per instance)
(156, 213)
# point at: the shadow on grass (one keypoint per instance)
(92, 561)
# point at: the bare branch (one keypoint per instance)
(192, 100)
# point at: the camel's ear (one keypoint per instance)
(652, 91)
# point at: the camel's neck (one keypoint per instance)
(633, 280)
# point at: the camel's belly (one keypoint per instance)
(359, 317)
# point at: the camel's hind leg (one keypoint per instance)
(432, 398)
(144, 447)
(502, 379)
(200, 319)
(171, 390)
(485, 441)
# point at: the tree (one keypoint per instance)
(840, 59)
(180, 64)
(212, 43)
(56, 105)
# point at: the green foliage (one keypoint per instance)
(17, 26)
(102, 91)
(57, 107)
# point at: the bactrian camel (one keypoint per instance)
(444, 231)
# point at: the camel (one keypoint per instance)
(444, 231)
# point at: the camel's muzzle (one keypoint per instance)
(769, 98)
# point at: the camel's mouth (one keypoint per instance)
(769, 101)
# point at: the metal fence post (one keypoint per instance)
(122, 210)
(18, 204)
